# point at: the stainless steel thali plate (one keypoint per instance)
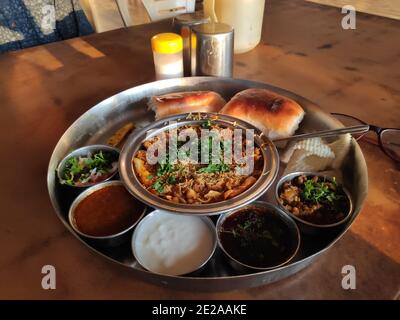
(101, 121)
(132, 183)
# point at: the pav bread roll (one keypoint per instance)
(277, 116)
(186, 102)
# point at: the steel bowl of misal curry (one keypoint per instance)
(88, 166)
(257, 237)
(179, 184)
(106, 214)
(314, 200)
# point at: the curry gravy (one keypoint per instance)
(107, 211)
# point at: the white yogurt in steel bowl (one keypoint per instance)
(171, 244)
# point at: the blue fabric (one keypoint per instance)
(23, 22)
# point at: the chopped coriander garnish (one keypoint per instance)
(164, 168)
(172, 180)
(253, 230)
(207, 124)
(214, 168)
(158, 186)
(80, 170)
(316, 192)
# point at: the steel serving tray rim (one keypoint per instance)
(98, 116)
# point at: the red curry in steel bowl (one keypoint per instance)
(106, 211)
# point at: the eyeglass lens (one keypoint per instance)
(390, 139)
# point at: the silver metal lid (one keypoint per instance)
(213, 28)
(214, 49)
(183, 25)
(191, 19)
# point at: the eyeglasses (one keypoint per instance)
(388, 138)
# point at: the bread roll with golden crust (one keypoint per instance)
(277, 116)
(186, 102)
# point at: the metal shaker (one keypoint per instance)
(214, 49)
(183, 25)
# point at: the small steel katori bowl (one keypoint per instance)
(84, 151)
(112, 240)
(307, 226)
(292, 231)
(132, 183)
(151, 215)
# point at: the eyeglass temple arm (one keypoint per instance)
(376, 129)
(327, 133)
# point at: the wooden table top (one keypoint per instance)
(304, 50)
